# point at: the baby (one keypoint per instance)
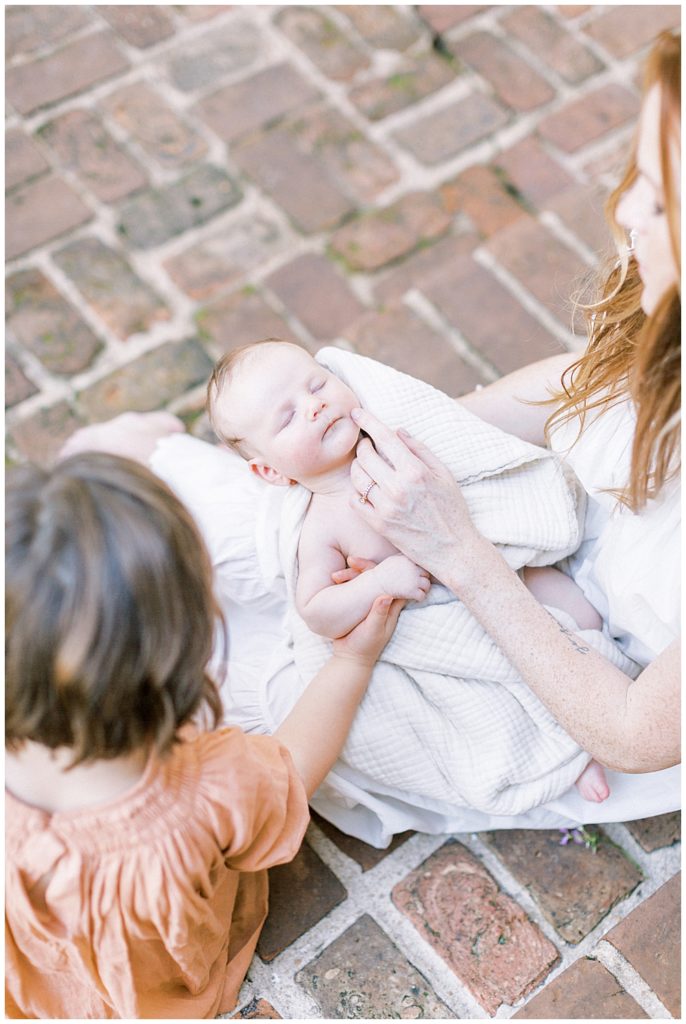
(289, 418)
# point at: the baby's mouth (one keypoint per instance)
(331, 424)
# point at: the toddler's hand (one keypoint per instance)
(367, 640)
(400, 577)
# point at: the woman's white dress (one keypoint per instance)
(628, 566)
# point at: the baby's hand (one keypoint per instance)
(400, 577)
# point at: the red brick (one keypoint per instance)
(439, 17)
(381, 25)
(574, 887)
(535, 175)
(610, 165)
(480, 193)
(623, 30)
(480, 932)
(40, 211)
(239, 319)
(319, 37)
(147, 383)
(202, 12)
(257, 1009)
(421, 76)
(589, 118)
(64, 73)
(198, 63)
(103, 276)
(363, 975)
(381, 236)
(435, 137)
(581, 209)
(140, 25)
(40, 436)
(212, 265)
(552, 43)
(570, 11)
(421, 266)
(158, 214)
(47, 325)
(650, 939)
(86, 148)
(548, 269)
(362, 853)
(30, 27)
(23, 160)
(513, 80)
(655, 833)
(166, 137)
(508, 337)
(305, 883)
(585, 991)
(396, 335)
(252, 102)
(18, 387)
(319, 296)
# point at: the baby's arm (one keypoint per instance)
(333, 610)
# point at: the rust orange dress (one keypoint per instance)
(150, 905)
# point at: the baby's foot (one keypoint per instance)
(592, 783)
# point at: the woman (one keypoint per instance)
(617, 420)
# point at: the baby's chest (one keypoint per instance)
(355, 537)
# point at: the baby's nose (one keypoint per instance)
(314, 408)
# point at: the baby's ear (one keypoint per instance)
(272, 476)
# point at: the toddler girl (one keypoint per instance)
(136, 844)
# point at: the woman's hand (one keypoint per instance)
(367, 640)
(413, 499)
(355, 567)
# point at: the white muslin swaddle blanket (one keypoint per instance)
(446, 714)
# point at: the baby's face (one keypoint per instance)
(293, 414)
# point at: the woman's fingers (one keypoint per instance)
(388, 446)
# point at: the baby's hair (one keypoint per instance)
(110, 613)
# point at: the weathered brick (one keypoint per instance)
(481, 193)
(212, 265)
(570, 11)
(320, 38)
(552, 43)
(147, 383)
(509, 337)
(363, 974)
(103, 276)
(142, 112)
(40, 436)
(574, 887)
(198, 63)
(47, 325)
(480, 932)
(40, 211)
(535, 175)
(421, 266)
(551, 271)
(409, 83)
(64, 73)
(381, 25)
(395, 336)
(585, 991)
(257, 1009)
(610, 165)
(362, 853)
(624, 29)
(650, 939)
(514, 81)
(154, 216)
(84, 146)
(435, 137)
(255, 101)
(320, 297)
(306, 883)
(377, 238)
(18, 387)
(580, 208)
(30, 27)
(140, 25)
(654, 833)
(23, 159)
(441, 17)
(589, 118)
(239, 319)
(202, 12)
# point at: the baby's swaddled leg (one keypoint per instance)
(552, 587)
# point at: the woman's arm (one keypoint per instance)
(418, 506)
(503, 403)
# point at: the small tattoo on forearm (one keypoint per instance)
(574, 640)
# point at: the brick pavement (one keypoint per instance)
(424, 185)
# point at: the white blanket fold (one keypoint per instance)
(446, 714)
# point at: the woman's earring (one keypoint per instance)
(632, 240)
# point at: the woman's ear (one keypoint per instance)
(272, 476)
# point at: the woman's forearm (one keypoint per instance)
(627, 725)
